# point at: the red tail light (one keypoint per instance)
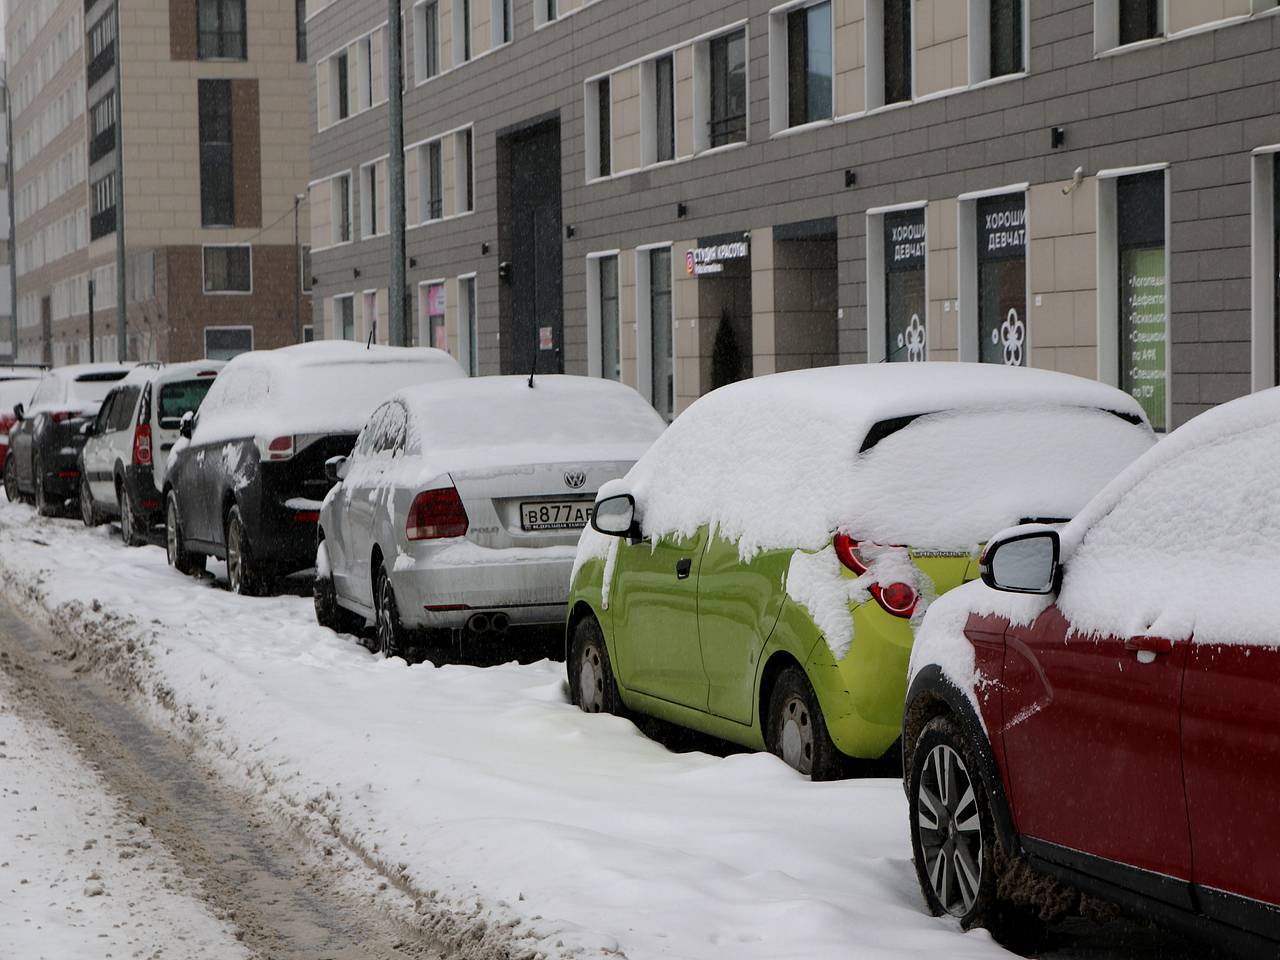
(61, 416)
(896, 599)
(436, 514)
(306, 516)
(142, 445)
(6, 423)
(281, 448)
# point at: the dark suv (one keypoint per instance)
(246, 480)
(44, 445)
(1102, 713)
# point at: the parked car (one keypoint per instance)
(1102, 708)
(757, 576)
(462, 502)
(44, 445)
(17, 384)
(246, 481)
(129, 442)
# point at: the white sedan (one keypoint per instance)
(460, 508)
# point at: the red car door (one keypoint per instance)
(1231, 754)
(1091, 739)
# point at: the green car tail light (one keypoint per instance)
(897, 599)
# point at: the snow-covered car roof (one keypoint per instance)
(963, 450)
(81, 385)
(20, 373)
(329, 386)
(498, 421)
(168, 372)
(88, 371)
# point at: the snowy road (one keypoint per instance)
(518, 825)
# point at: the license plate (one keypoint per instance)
(556, 514)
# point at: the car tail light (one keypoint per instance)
(898, 599)
(306, 516)
(61, 416)
(277, 448)
(6, 424)
(847, 551)
(436, 514)
(142, 445)
(68, 474)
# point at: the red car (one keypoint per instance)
(1101, 714)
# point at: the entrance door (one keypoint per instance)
(536, 262)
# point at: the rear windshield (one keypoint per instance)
(93, 387)
(955, 478)
(182, 397)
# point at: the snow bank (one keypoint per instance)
(484, 792)
(328, 386)
(774, 462)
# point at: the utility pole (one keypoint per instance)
(395, 172)
(122, 299)
(13, 226)
(92, 337)
(297, 259)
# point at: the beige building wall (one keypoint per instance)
(624, 94)
(1063, 267)
(806, 298)
(688, 343)
(850, 55)
(628, 342)
(942, 45)
(763, 307)
(445, 15)
(481, 28)
(1186, 14)
(683, 64)
(321, 214)
(448, 206)
(412, 198)
(942, 331)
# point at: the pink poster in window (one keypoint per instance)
(435, 300)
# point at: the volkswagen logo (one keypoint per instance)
(575, 479)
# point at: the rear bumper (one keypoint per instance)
(140, 488)
(444, 585)
(60, 457)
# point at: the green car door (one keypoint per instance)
(738, 604)
(655, 619)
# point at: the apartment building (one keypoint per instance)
(208, 99)
(678, 195)
(6, 235)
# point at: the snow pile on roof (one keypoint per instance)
(150, 372)
(15, 391)
(774, 461)
(329, 386)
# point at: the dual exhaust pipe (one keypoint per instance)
(489, 623)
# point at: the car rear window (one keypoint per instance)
(93, 387)
(182, 397)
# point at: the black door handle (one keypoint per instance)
(683, 566)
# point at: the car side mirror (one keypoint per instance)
(335, 469)
(616, 517)
(19, 412)
(187, 425)
(89, 429)
(1023, 560)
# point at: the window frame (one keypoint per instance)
(660, 138)
(216, 153)
(341, 202)
(878, 347)
(598, 119)
(715, 81)
(423, 318)
(468, 320)
(1265, 274)
(644, 323)
(226, 328)
(780, 64)
(221, 33)
(595, 312)
(374, 216)
(464, 173)
(339, 320)
(204, 270)
(426, 43)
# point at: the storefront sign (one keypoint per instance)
(1144, 330)
(1002, 280)
(904, 240)
(701, 261)
(905, 246)
(545, 339)
(1002, 227)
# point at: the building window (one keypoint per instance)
(102, 220)
(809, 64)
(341, 208)
(369, 309)
(728, 89)
(221, 29)
(431, 311)
(426, 49)
(308, 333)
(464, 163)
(102, 127)
(371, 201)
(897, 51)
(662, 343)
(461, 31)
(664, 113)
(1275, 270)
(1006, 37)
(364, 73)
(344, 320)
(1143, 327)
(610, 354)
(599, 128)
(502, 19)
(102, 48)
(430, 181)
(228, 269)
(544, 12)
(468, 347)
(905, 300)
(340, 93)
(217, 181)
(223, 343)
(1139, 20)
(300, 28)
(1002, 279)
(304, 267)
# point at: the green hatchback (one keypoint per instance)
(759, 573)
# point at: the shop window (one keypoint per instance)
(221, 29)
(599, 119)
(809, 64)
(663, 116)
(345, 317)
(728, 63)
(224, 343)
(1002, 279)
(341, 209)
(426, 40)
(464, 168)
(661, 339)
(369, 314)
(1006, 37)
(905, 298)
(603, 317)
(469, 339)
(431, 315)
(897, 50)
(217, 183)
(1143, 326)
(430, 182)
(228, 269)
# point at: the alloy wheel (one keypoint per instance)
(235, 558)
(126, 519)
(950, 830)
(386, 626)
(11, 490)
(171, 533)
(591, 679)
(796, 735)
(87, 513)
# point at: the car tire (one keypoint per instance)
(11, 490)
(329, 613)
(389, 635)
(88, 510)
(243, 575)
(592, 685)
(946, 789)
(43, 506)
(175, 548)
(797, 731)
(128, 521)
